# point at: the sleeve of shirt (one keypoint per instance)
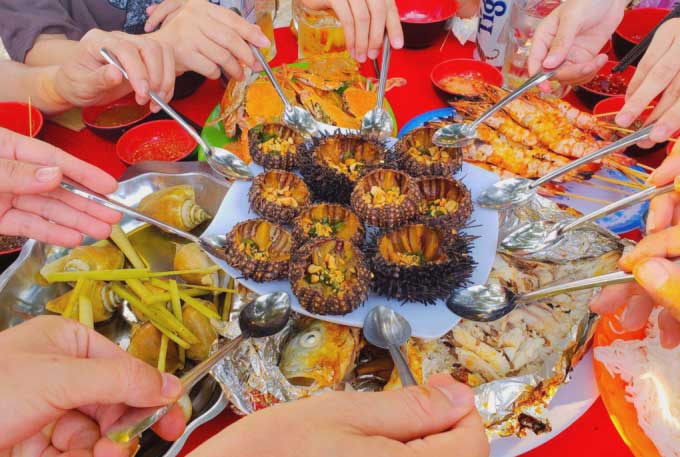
(22, 22)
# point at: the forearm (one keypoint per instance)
(51, 50)
(34, 82)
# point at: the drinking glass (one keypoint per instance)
(318, 32)
(260, 12)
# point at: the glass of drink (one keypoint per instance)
(524, 18)
(265, 13)
(318, 32)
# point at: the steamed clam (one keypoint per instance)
(175, 206)
(99, 256)
(200, 326)
(191, 257)
(104, 302)
(145, 344)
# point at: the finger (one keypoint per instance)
(560, 46)
(579, 73)
(637, 312)
(131, 60)
(344, 13)
(670, 330)
(250, 32)
(378, 12)
(665, 244)
(152, 55)
(74, 430)
(661, 210)
(611, 298)
(26, 178)
(393, 25)
(107, 448)
(197, 62)
(667, 171)
(171, 426)
(158, 13)
(468, 434)
(221, 57)
(545, 32)
(169, 74)
(231, 42)
(659, 277)
(20, 223)
(95, 210)
(362, 24)
(660, 45)
(63, 215)
(667, 125)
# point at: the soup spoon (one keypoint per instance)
(222, 161)
(265, 316)
(378, 121)
(491, 302)
(540, 235)
(463, 133)
(387, 329)
(515, 191)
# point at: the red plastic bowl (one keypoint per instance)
(474, 69)
(14, 117)
(636, 23)
(163, 140)
(614, 105)
(590, 97)
(112, 132)
(425, 21)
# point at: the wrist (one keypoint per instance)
(51, 99)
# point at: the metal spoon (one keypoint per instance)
(540, 235)
(460, 134)
(222, 161)
(510, 192)
(387, 329)
(491, 302)
(214, 244)
(378, 121)
(264, 316)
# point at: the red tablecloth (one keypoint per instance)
(591, 435)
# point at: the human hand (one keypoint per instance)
(658, 73)
(61, 384)
(573, 35)
(207, 37)
(439, 419)
(657, 282)
(364, 23)
(33, 205)
(160, 13)
(664, 210)
(88, 80)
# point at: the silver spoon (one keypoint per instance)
(540, 235)
(214, 244)
(491, 302)
(387, 329)
(510, 192)
(378, 121)
(264, 316)
(462, 133)
(222, 161)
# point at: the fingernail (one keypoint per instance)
(651, 273)
(399, 43)
(551, 61)
(457, 393)
(171, 387)
(47, 174)
(361, 57)
(372, 54)
(632, 317)
(263, 42)
(660, 133)
(624, 119)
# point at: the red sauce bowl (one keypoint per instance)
(113, 132)
(474, 69)
(590, 96)
(163, 140)
(614, 105)
(425, 21)
(636, 23)
(14, 116)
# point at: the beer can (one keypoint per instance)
(491, 33)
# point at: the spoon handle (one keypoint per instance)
(384, 68)
(642, 196)
(405, 374)
(618, 277)
(136, 420)
(103, 200)
(633, 138)
(270, 75)
(110, 58)
(534, 81)
(211, 413)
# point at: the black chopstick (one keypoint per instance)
(642, 46)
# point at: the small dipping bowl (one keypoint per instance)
(614, 105)
(425, 21)
(110, 121)
(14, 116)
(590, 96)
(10, 247)
(163, 140)
(467, 68)
(636, 23)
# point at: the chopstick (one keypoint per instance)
(619, 182)
(613, 113)
(581, 197)
(642, 46)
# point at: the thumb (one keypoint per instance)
(26, 178)
(410, 413)
(659, 277)
(561, 44)
(106, 77)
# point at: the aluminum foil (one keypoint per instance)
(511, 405)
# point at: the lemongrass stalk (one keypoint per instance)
(198, 306)
(164, 285)
(85, 314)
(165, 296)
(177, 311)
(121, 240)
(73, 299)
(163, 353)
(218, 290)
(228, 300)
(138, 288)
(122, 275)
